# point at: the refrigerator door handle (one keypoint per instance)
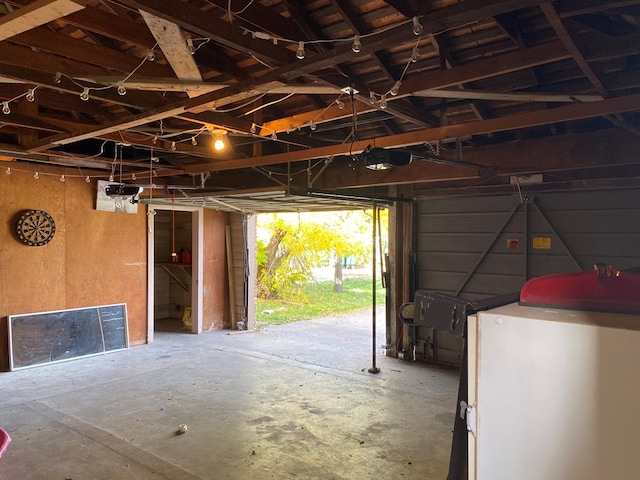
(472, 419)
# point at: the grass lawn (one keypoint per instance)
(321, 301)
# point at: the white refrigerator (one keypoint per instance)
(553, 395)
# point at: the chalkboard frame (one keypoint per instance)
(101, 329)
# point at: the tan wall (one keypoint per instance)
(215, 284)
(95, 257)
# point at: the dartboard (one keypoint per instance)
(35, 228)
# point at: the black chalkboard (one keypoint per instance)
(41, 338)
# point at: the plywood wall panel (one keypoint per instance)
(215, 283)
(95, 258)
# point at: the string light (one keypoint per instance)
(357, 46)
(5, 108)
(340, 104)
(312, 125)
(395, 89)
(415, 54)
(8, 172)
(121, 89)
(194, 142)
(62, 179)
(173, 146)
(300, 53)
(133, 177)
(84, 96)
(31, 95)
(254, 129)
(417, 26)
(383, 102)
(111, 177)
(274, 135)
(57, 78)
(151, 56)
(372, 98)
(36, 176)
(87, 179)
(190, 46)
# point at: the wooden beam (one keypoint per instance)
(35, 14)
(508, 96)
(565, 113)
(172, 44)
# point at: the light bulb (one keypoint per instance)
(31, 95)
(154, 139)
(62, 179)
(218, 144)
(357, 46)
(395, 89)
(190, 46)
(111, 177)
(57, 78)
(5, 108)
(415, 54)
(194, 142)
(312, 125)
(383, 102)
(8, 172)
(121, 89)
(133, 177)
(340, 104)
(372, 98)
(173, 146)
(88, 180)
(274, 136)
(84, 96)
(417, 26)
(300, 53)
(254, 128)
(36, 175)
(151, 56)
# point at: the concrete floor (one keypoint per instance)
(292, 401)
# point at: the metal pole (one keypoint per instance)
(373, 368)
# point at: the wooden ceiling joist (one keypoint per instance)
(35, 14)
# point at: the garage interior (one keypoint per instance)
(502, 135)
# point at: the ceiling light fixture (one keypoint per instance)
(300, 53)
(218, 138)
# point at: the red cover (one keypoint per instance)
(5, 440)
(603, 289)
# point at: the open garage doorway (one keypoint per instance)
(321, 264)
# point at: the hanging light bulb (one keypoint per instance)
(31, 95)
(417, 26)
(62, 179)
(121, 89)
(357, 46)
(395, 89)
(57, 78)
(190, 46)
(372, 98)
(154, 140)
(88, 180)
(194, 142)
(8, 172)
(111, 177)
(151, 56)
(84, 96)
(274, 136)
(254, 128)
(415, 54)
(36, 175)
(133, 177)
(173, 145)
(312, 125)
(340, 104)
(218, 144)
(383, 102)
(300, 53)
(5, 108)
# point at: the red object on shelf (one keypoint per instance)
(603, 289)
(5, 440)
(186, 257)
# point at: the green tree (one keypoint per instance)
(297, 243)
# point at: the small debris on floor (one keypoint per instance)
(182, 429)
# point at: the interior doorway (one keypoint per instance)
(174, 258)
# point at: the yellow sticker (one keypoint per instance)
(542, 243)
